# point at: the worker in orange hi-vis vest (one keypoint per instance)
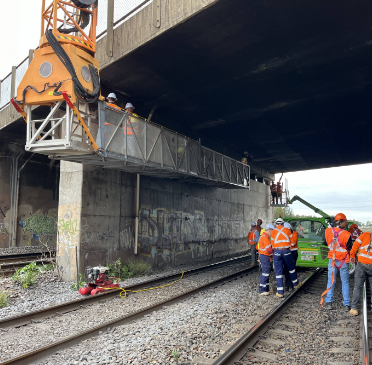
(339, 244)
(294, 252)
(265, 251)
(355, 231)
(111, 101)
(363, 269)
(281, 243)
(252, 239)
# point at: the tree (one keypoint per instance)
(284, 212)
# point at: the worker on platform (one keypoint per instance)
(279, 189)
(363, 269)
(111, 101)
(129, 109)
(339, 243)
(274, 192)
(355, 231)
(281, 241)
(259, 226)
(294, 252)
(252, 239)
(265, 251)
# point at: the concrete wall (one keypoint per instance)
(179, 222)
(37, 205)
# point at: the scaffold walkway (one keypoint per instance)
(129, 143)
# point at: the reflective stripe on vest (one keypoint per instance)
(364, 250)
(280, 241)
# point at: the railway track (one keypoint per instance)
(11, 263)
(299, 331)
(26, 358)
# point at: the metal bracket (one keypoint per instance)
(156, 13)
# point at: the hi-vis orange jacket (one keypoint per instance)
(363, 244)
(264, 245)
(294, 245)
(253, 236)
(281, 237)
(339, 246)
(114, 106)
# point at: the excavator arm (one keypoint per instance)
(304, 202)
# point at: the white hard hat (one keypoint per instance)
(287, 225)
(269, 226)
(253, 224)
(112, 96)
(129, 105)
(279, 221)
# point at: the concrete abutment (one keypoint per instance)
(178, 222)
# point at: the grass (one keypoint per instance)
(81, 283)
(131, 269)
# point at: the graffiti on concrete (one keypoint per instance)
(177, 232)
(68, 226)
(127, 237)
(4, 226)
(39, 225)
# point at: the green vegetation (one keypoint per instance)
(81, 283)
(27, 275)
(175, 355)
(3, 299)
(131, 269)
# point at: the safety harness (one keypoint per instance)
(336, 245)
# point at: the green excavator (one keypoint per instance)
(313, 250)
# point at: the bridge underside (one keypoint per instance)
(288, 81)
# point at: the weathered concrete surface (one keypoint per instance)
(38, 200)
(69, 218)
(179, 222)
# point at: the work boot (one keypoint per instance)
(354, 312)
(328, 306)
(347, 307)
(265, 293)
(252, 264)
(279, 295)
(298, 285)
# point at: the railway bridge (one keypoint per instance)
(288, 83)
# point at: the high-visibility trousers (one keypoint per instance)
(265, 273)
(281, 258)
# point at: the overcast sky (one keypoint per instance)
(334, 190)
(340, 189)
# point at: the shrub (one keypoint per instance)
(81, 283)
(27, 275)
(3, 299)
(131, 269)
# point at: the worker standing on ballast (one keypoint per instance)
(293, 248)
(281, 242)
(265, 251)
(339, 244)
(363, 269)
(252, 239)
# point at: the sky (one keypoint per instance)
(334, 190)
(343, 189)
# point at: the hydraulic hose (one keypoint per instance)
(80, 91)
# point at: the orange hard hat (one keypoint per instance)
(353, 226)
(340, 216)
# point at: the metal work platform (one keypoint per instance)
(132, 144)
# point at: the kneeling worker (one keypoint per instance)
(364, 268)
(265, 256)
(281, 243)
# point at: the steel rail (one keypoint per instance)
(24, 319)
(48, 350)
(239, 348)
(365, 337)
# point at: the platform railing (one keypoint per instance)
(148, 147)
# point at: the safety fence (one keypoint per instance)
(123, 10)
(148, 148)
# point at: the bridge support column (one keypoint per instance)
(69, 218)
